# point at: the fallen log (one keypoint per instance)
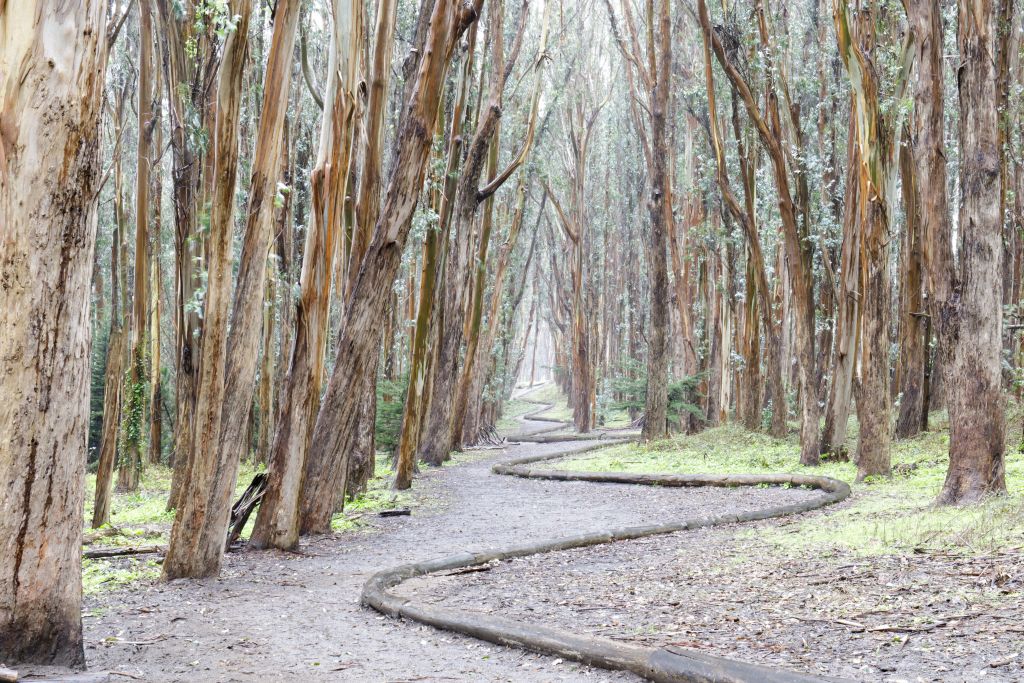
(97, 553)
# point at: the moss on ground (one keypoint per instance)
(884, 515)
(141, 518)
(378, 496)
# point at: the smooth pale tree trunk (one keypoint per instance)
(197, 537)
(278, 521)
(966, 304)
(52, 61)
(840, 396)
(336, 430)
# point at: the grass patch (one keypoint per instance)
(884, 515)
(103, 575)
(513, 409)
(378, 496)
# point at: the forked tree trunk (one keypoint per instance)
(197, 536)
(54, 55)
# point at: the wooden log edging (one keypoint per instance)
(664, 665)
(544, 435)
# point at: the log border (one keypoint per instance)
(665, 665)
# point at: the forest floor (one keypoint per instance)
(883, 587)
(782, 593)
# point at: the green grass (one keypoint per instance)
(103, 575)
(141, 518)
(608, 418)
(378, 496)
(885, 515)
(513, 409)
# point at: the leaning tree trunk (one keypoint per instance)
(54, 54)
(336, 430)
(191, 551)
(277, 524)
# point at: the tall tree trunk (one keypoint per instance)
(190, 64)
(966, 297)
(50, 92)
(795, 245)
(912, 340)
(845, 353)
(133, 412)
(336, 429)
(155, 305)
(197, 536)
(660, 205)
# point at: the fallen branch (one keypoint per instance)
(123, 552)
(400, 512)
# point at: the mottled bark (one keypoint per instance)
(335, 432)
(54, 55)
(197, 536)
(277, 524)
(966, 296)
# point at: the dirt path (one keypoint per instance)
(280, 616)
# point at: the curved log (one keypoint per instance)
(668, 664)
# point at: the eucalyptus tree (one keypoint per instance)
(54, 56)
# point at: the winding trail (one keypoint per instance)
(285, 616)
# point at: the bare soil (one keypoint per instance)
(284, 616)
(722, 591)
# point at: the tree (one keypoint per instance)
(878, 141)
(335, 432)
(797, 248)
(50, 96)
(277, 524)
(192, 551)
(966, 297)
